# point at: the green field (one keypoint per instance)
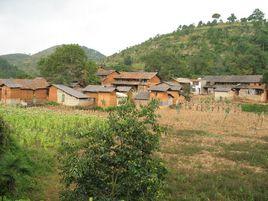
(201, 165)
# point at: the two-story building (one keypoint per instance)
(138, 81)
(106, 76)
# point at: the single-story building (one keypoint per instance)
(221, 93)
(249, 87)
(68, 96)
(168, 93)
(142, 98)
(104, 96)
(23, 91)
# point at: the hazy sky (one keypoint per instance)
(29, 26)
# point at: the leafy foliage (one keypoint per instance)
(16, 168)
(10, 71)
(115, 160)
(68, 64)
(213, 48)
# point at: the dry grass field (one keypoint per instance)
(215, 155)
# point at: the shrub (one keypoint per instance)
(115, 161)
(52, 103)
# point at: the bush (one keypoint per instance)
(52, 103)
(115, 160)
(16, 168)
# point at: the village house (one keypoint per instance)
(168, 93)
(138, 81)
(104, 96)
(106, 76)
(142, 98)
(248, 87)
(197, 86)
(184, 82)
(23, 91)
(68, 96)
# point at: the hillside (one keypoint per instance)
(10, 71)
(207, 49)
(28, 63)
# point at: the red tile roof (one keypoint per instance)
(136, 75)
(37, 83)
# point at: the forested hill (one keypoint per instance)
(10, 71)
(212, 48)
(28, 63)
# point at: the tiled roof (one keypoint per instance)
(37, 83)
(183, 80)
(127, 83)
(234, 78)
(98, 88)
(143, 95)
(222, 89)
(70, 91)
(103, 72)
(136, 75)
(123, 88)
(166, 86)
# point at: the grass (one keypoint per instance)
(256, 108)
(255, 154)
(41, 132)
(228, 185)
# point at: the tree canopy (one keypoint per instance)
(68, 64)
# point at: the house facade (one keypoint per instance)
(138, 81)
(168, 93)
(106, 76)
(24, 91)
(248, 87)
(104, 96)
(68, 96)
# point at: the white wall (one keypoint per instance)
(69, 100)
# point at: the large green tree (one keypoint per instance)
(67, 64)
(116, 160)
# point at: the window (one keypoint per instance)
(62, 98)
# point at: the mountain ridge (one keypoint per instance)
(28, 63)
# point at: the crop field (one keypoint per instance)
(209, 155)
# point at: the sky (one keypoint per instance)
(109, 26)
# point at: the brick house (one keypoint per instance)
(104, 96)
(106, 76)
(138, 81)
(168, 93)
(68, 96)
(142, 98)
(23, 91)
(248, 87)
